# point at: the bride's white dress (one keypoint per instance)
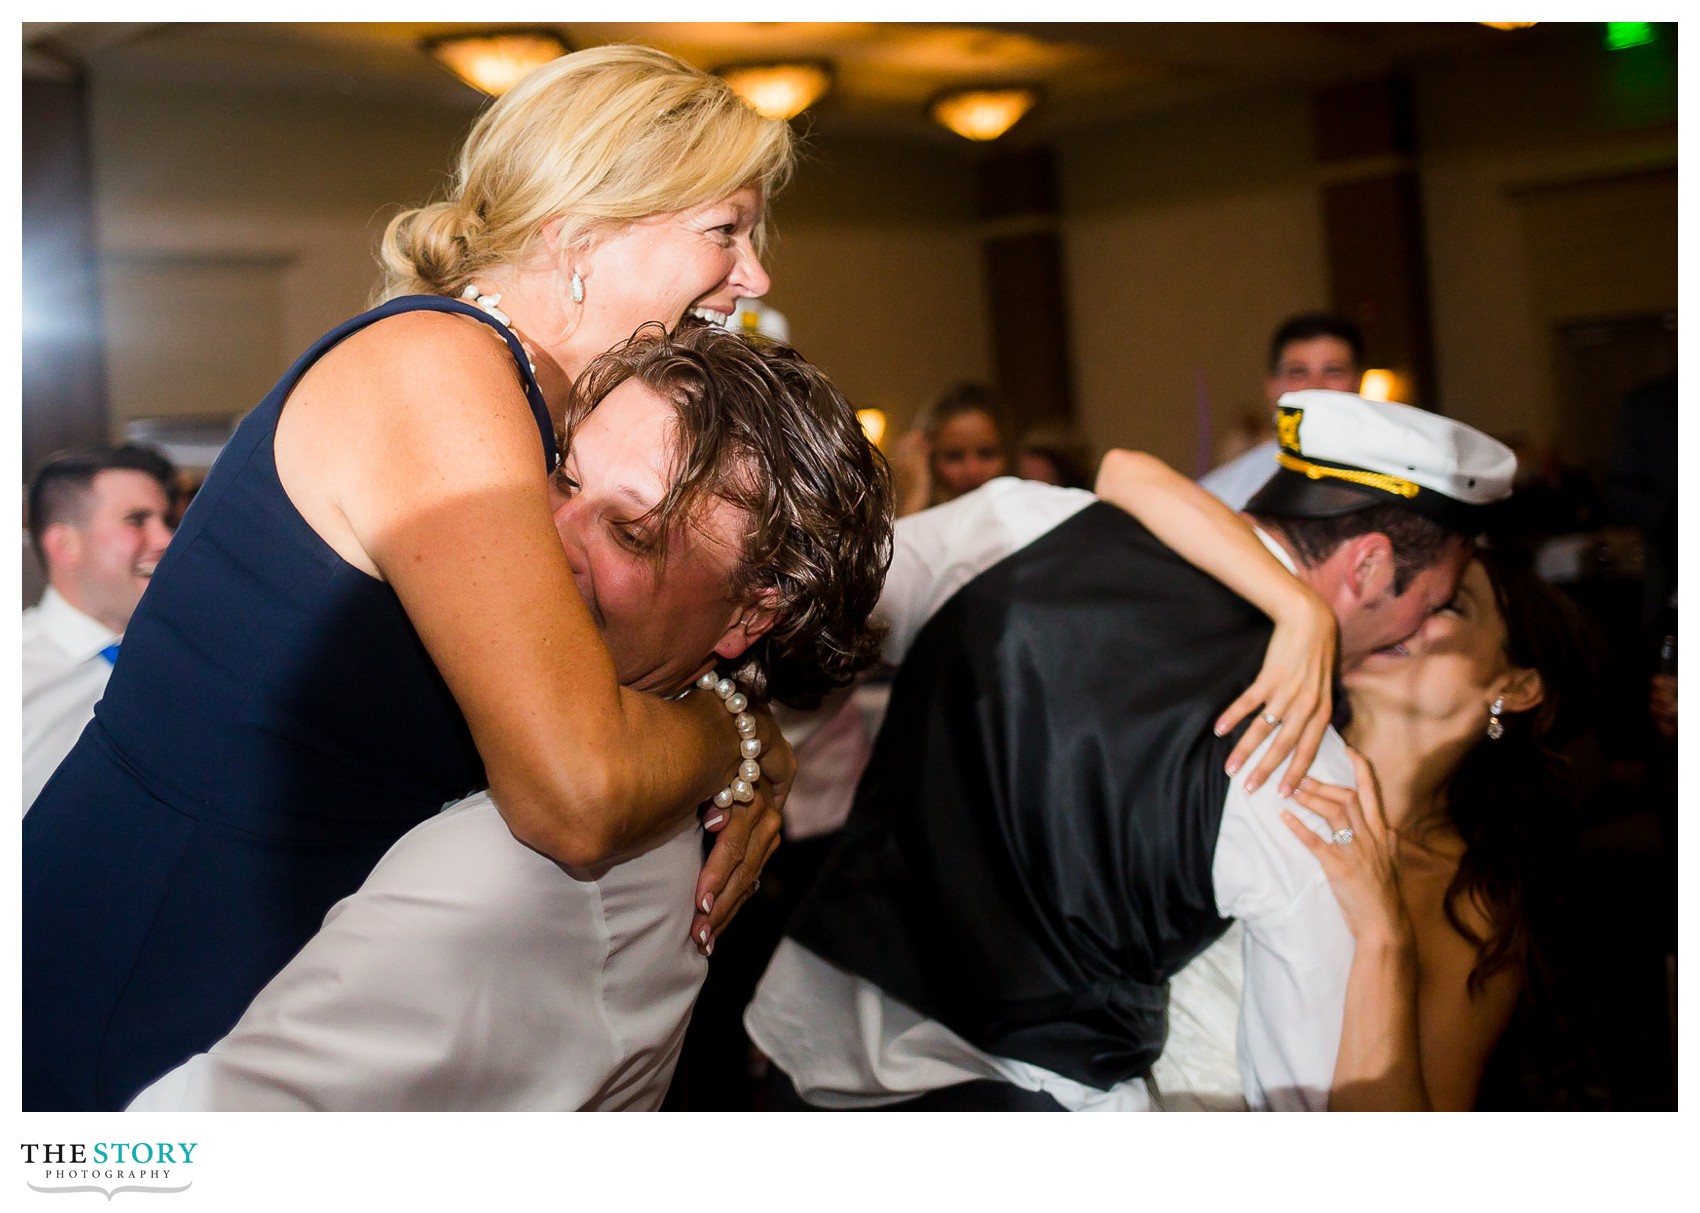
(1199, 1070)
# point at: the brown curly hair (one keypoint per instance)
(763, 429)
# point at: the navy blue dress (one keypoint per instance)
(272, 726)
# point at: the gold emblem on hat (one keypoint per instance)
(1287, 428)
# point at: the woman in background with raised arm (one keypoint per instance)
(368, 613)
(954, 446)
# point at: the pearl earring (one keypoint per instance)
(1496, 727)
(577, 288)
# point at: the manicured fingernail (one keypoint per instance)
(1232, 766)
(702, 937)
(707, 902)
(1251, 785)
(714, 821)
(708, 948)
(1219, 729)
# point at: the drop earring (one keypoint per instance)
(577, 288)
(1496, 727)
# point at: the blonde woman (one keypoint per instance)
(368, 613)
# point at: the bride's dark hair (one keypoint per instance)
(1512, 800)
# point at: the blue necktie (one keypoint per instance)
(110, 652)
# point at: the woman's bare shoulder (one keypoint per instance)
(414, 373)
(421, 340)
(410, 411)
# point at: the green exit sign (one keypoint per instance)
(1621, 35)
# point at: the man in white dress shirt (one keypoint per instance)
(1044, 835)
(1313, 350)
(720, 508)
(98, 520)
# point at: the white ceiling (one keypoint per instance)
(886, 72)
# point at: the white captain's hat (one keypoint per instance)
(1341, 453)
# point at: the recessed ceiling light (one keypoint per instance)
(494, 62)
(779, 90)
(983, 114)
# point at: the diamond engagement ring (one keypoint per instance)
(1342, 836)
(1270, 719)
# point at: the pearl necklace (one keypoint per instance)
(742, 789)
(488, 304)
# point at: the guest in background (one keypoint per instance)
(1552, 496)
(98, 522)
(953, 448)
(1312, 350)
(1054, 455)
(1640, 488)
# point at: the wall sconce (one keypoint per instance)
(1378, 384)
(779, 90)
(982, 114)
(494, 62)
(873, 424)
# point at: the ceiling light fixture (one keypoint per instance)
(1507, 24)
(983, 114)
(779, 90)
(494, 62)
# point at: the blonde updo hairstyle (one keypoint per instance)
(598, 138)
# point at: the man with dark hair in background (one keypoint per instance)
(1311, 350)
(98, 523)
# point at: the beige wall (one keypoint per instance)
(878, 270)
(1188, 237)
(237, 225)
(1540, 209)
(1549, 195)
